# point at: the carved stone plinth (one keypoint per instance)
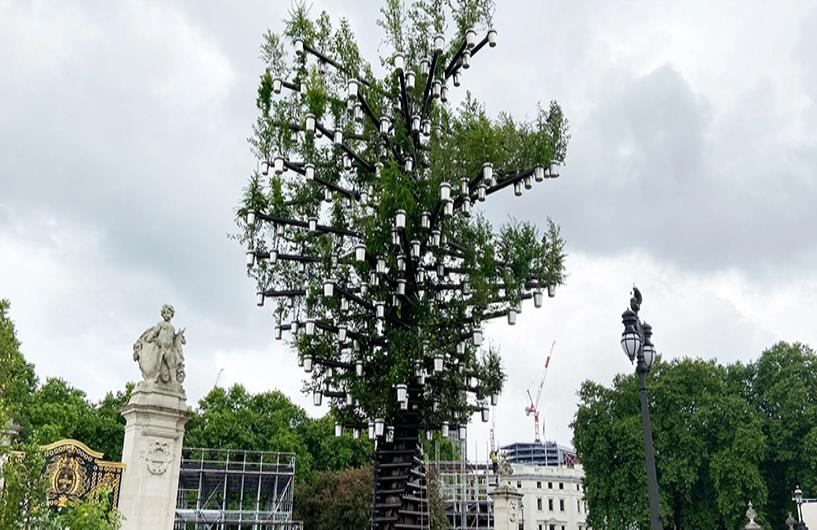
(506, 501)
(154, 432)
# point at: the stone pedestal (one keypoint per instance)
(154, 432)
(9, 433)
(506, 501)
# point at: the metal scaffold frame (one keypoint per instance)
(464, 489)
(223, 489)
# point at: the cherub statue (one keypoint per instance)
(159, 351)
(505, 468)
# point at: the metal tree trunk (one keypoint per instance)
(400, 488)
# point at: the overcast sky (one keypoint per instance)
(692, 171)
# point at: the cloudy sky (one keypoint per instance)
(692, 171)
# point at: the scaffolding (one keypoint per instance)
(222, 489)
(464, 489)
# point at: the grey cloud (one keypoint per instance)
(644, 172)
(124, 152)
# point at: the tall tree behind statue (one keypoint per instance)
(359, 225)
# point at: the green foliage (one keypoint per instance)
(463, 138)
(336, 500)
(783, 389)
(92, 513)
(57, 411)
(436, 503)
(724, 436)
(22, 497)
(17, 378)
(236, 419)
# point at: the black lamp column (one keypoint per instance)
(797, 497)
(637, 344)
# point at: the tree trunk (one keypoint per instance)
(400, 488)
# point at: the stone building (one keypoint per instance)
(552, 497)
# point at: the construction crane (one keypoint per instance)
(533, 408)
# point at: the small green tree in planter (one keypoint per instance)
(362, 228)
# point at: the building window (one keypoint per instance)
(561, 505)
(561, 485)
(540, 527)
(539, 504)
(550, 504)
(579, 506)
(578, 487)
(518, 483)
(553, 527)
(539, 485)
(563, 527)
(550, 485)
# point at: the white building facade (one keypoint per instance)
(553, 497)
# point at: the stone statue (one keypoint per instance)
(505, 469)
(159, 351)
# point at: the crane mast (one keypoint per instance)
(533, 407)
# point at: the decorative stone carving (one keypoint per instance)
(505, 468)
(159, 351)
(752, 515)
(158, 457)
(513, 510)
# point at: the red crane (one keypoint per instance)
(533, 408)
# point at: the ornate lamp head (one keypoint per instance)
(630, 339)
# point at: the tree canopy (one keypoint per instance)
(17, 378)
(268, 421)
(724, 436)
(394, 147)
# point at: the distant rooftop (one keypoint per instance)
(539, 454)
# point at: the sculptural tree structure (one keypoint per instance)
(362, 229)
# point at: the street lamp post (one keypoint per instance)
(637, 344)
(797, 497)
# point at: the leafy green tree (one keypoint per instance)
(360, 225)
(336, 500)
(17, 378)
(335, 453)
(783, 389)
(57, 410)
(367, 177)
(23, 503)
(92, 513)
(723, 436)
(237, 419)
(436, 503)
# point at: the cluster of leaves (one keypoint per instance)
(497, 266)
(337, 500)
(17, 378)
(724, 436)
(236, 419)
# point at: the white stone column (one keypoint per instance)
(506, 501)
(154, 432)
